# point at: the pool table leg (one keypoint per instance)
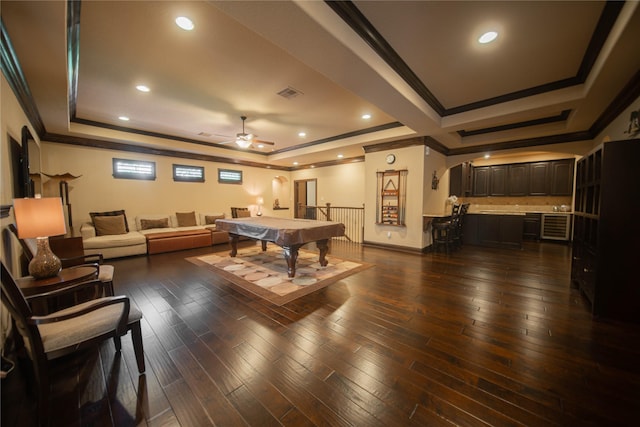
(291, 256)
(324, 248)
(233, 241)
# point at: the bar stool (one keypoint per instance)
(457, 224)
(443, 230)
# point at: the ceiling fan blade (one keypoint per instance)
(229, 141)
(259, 141)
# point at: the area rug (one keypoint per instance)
(265, 273)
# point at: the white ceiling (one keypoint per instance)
(422, 73)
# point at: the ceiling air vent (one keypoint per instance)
(289, 92)
(205, 134)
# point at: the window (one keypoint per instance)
(188, 173)
(228, 176)
(134, 169)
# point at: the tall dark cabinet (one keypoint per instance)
(606, 240)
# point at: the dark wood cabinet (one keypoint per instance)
(539, 179)
(481, 181)
(549, 178)
(561, 177)
(460, 180)
(498, 180)
(606, 237)
(532, 222)
(518, 179)
(498, 231)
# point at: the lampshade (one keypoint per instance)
(260, 200)
(39, 217)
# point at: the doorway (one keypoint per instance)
(305, 198)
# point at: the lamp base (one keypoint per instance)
(45, 264)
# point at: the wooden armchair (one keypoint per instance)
(68, 330)
(105, 273)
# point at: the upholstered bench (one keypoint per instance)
(177, 240)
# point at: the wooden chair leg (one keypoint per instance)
(136, 337)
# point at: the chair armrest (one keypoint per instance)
(87, 230)
(82, 259)
(86, 308)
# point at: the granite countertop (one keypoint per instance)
(504, 210)
(523, 212)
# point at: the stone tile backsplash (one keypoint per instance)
(517, 204)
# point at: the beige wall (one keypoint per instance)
(98, 190)
(420, 197)
(340, 185)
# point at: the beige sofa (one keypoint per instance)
(149, 233)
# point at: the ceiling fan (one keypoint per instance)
(247, 140)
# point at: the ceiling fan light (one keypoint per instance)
(243, 143)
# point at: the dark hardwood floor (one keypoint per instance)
(479, 337)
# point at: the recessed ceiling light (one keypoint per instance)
(124, 118)
(143, 88)
(488, 37)
(340, 156)
(366, 116)
(302, 134)
(184, 23)
(486, 156)
(295, 163)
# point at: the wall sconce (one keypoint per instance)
(434, 181)
(40, 218)
(260, 203)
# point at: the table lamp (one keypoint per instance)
(40, 218)
(260, 202)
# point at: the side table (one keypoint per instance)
(31, 286)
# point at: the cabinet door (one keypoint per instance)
(532, 226)
(511, 231)
(470, 229)
(455, 181)
(481, 181)
(518, 180)
(539, 182)
(562, 178)
(467, 179)
(498, 180)
(489, 230)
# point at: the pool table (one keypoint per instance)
(290, 234)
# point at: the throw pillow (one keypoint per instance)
(109, 225)
(243, 214)
(148, 224)
(211, 219)
(186, 219)
(94, 215)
